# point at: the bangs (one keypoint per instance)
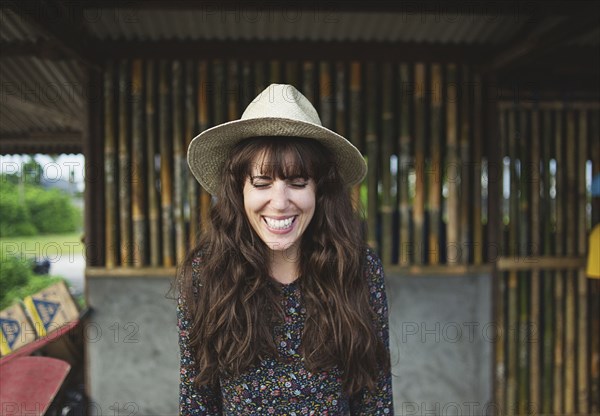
(278, 158)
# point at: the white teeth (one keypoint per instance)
(279, 224)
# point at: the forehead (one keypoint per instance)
(281, 163)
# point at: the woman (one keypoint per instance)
(282, 309)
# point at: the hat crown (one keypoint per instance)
(282, 101)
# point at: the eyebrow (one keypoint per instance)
(260, 177)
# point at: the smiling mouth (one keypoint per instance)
(279, 224)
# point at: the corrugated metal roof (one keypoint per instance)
(277, 25)
(14, 29)
(43, 95)
(40, 95)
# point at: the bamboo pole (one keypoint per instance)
(595, 283)
(291, 73)
(341, 91)
(179, 166)
(535, 345)
(309, 81)
(570, 337)
(582, 293)
(466, 199)
(372, 152)
(204, 123)
(192, 215)
(559, 282)
(503, 335)
(138, 209)
(166, 169)
(275, 71)
(452, 167)
(354, 122)
(151, 146)
(419, 201)
(513, 238)
(386, 209)
(523, 250)
(435, 171)
(548, 276)
(233, 88)
(325, 94)
(110, 168)
(125, 176)
(404, 161)
(478, 138)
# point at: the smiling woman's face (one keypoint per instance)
(278, 209)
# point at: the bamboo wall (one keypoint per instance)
(419, 126)
(548, 356)
(435, 182)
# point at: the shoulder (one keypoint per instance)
(373, 270)
(372, 264)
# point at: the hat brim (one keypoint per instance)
(209, 150)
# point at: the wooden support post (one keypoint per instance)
(570, 290)
(355, 115)
(166, 165)
(125, 173)
(419, 201)
(535, 345)
(513, 239)
(548, 276)
(110, 167)
(386, 208)
(404, 162)
(452, 167)
(138, 178)
(151, 176)
(582, 394)
(204, 123)
(434, 172)
(559, 282)
(326, 95)
(191, 130)
(93, 151)
(372, 155)
(523, 250)
(478, 137)
(179, 164)
(466, 198)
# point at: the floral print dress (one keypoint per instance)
(285, 386)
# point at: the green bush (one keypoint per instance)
(14, 272)
(51, 211)
(18, 281)
(15, 218)
(30, 209)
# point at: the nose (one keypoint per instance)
(279, 195)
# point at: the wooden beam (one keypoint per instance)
(62, 23)
(433, 7)
(519, 263)
(290, 50)
(40, 49)
(40, 142)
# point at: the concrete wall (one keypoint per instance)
(133, 354)
(440, 341)
(440, 337)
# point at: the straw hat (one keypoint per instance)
(280, 110)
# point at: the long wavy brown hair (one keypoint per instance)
(232, 301)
